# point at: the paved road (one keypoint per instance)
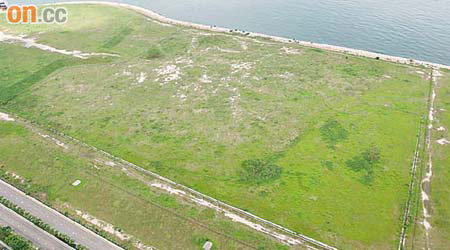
(22, 227)
(80, 234)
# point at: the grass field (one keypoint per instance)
(47, 171)
(319, 142)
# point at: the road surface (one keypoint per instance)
(23, 227)
(64, 225)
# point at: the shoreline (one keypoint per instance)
(333, 48)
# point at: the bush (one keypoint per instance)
(13, 240)
(366, 162)
(153, 53)
(259, 171)
(328, 164)
(332, 132)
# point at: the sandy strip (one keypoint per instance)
(31, 43)
(443, 141)
(328, 47)
(5, 117)
(56, 141)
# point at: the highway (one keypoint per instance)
(56, 220)
(23, 227)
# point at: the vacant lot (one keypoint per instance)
(319, 142)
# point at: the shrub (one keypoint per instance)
(332, 132)
(328, 164)
(366, 162)
(153, 53)
(259, 171)
(13, 240)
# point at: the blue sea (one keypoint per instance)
(409, 28)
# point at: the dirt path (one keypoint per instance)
(426, 181)
(31, 43)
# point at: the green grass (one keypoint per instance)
(14, 90)
(287, 137)
(47, 172)
(19, 74)
(18, 64)
(116, 39)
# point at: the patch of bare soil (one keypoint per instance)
(5, 117)
(31, 43)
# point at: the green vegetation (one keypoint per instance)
(319, 142)
(153, 53)
(46, 171)
(115, 40)
(10, 91)
(332, 132)
(259, 171)
(366, 162)
(17, 70)
(13, 240)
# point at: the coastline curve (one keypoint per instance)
(333, 48)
